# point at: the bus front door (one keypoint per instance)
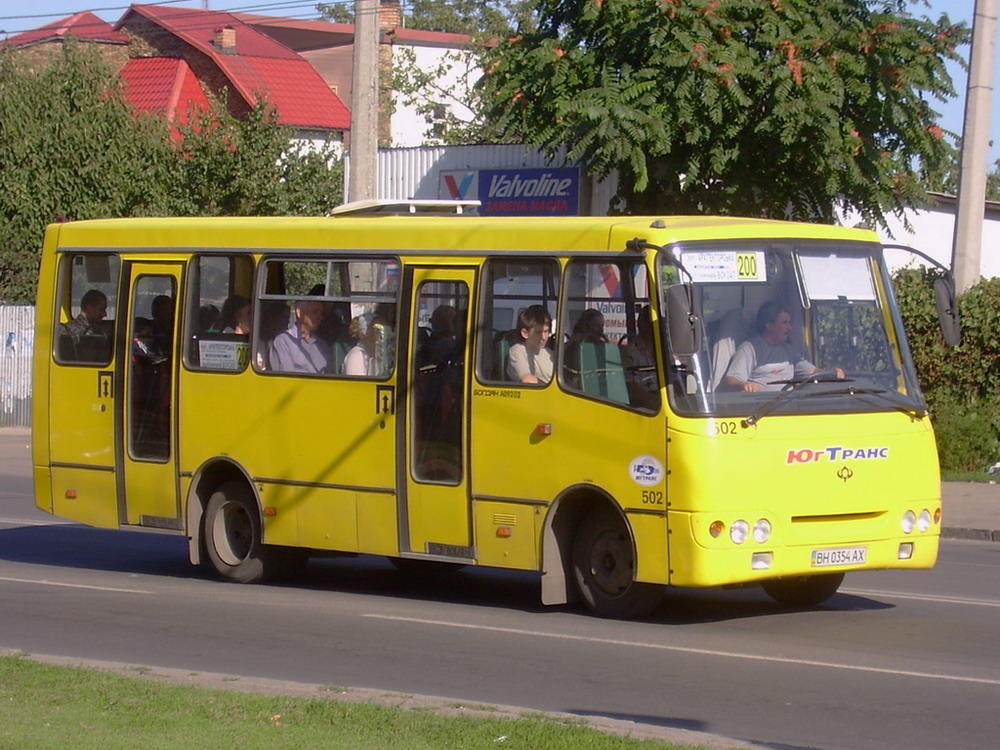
(147, 446)
(435, 518)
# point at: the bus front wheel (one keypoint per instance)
(233, 535)
(803, 591)
(604, 568)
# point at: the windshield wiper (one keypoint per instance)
(885, 395)
(791, 393)
(818, 378)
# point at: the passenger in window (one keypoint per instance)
(639, 361)
(93, 309)
(440, 345)
(529, 361)
(360, 360)
(766, 362)
(299, 348)
(590, 327)
(273, 320)
(237, 315)
(208, 318)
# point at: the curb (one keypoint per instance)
(977, 535)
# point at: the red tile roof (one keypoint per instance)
(164, 85)
(259, 66)
(83, 25)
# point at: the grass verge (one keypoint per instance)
(44, 706)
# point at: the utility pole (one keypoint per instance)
(968, 242)
(364, 102)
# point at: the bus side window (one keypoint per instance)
(219, 313)
(88, 305)
(608, 353)
(327, 317)
(510, 288)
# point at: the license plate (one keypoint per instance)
(823, 558)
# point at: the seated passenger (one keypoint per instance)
(639, 360)
(529, 361)
(299, 349)
(360, 360)
(237, 315)
(93, 309)
(590, 327)
(763, 362)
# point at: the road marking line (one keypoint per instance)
(924, 597)
(75, 585)
(26, 522)
(699, 651)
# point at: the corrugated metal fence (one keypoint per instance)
(17, 327)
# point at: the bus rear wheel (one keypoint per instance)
(803, 591)
(232, 535)
(604, 568)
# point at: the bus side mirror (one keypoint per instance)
(683, 323)
(947, 309)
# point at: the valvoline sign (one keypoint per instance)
(516, 192)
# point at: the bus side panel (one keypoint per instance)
(315, 517)
(378, 531)
(85, 495)
(592, 449)
(506, 534)
(650, 534)
(293, 432)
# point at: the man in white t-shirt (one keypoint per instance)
(767, 361)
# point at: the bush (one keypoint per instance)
(961, 384)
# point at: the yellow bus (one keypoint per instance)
(585, 397)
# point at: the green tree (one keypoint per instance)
(760, 107)
(339, 12)
(71, 146)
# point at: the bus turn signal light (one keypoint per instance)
(504, 531)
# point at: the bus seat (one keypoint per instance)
(501, 351)
(734, 329)
(339, 352)
(601, 371)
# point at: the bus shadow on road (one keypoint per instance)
(83, 547)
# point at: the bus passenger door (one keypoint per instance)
(434, 514)
(147, 449)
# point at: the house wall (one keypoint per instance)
(931, 231)
(409, 128)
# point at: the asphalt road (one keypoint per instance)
(894, 660)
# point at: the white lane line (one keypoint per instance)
(26, 522)
(698, 651)
(74, 585)
(924, 597)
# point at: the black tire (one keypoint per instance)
(604, 568)
(232, 534)
(803, 591)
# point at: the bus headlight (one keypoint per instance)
(924, 520)
(739, 531)
(909, 521)
(762, 531)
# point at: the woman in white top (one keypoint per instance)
(360, 360)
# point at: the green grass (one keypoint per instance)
(44, 706)
(967, 476)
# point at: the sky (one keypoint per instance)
(23, 15)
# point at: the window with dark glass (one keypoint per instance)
(88, 309)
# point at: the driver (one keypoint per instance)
(769, 357)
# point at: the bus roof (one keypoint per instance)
(435, 233)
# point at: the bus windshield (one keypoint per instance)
(789, 328)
